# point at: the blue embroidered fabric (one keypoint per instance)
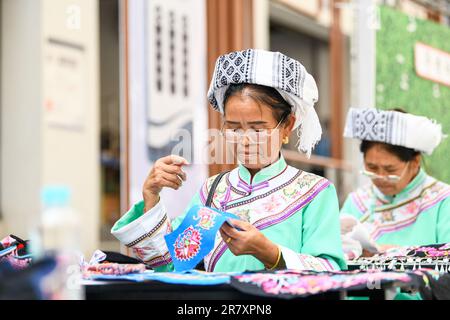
(195, 236)
(191, 277)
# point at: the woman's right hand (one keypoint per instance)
(166, 172)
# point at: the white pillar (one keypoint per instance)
(21, 142)
(261, 21)
(50, 56)
(364, 49)
(363, 73)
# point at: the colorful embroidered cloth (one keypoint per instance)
(435, 256)
(112, 269)
(195, 236)
(97, 266)
(14, 250)
(133, 277)
(191, 277)
(432, 250)
(293, 284)
(194, 277)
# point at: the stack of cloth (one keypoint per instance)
(14, 250)
(187, 277)
(110, 264)
(288, 284)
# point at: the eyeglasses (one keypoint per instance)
(257, 136)
(389, 178)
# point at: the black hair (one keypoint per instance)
(263, 95)
(403, 153)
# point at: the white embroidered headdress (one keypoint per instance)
(393, 127)
(274, 69)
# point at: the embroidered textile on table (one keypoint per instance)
(291, 284)
(435, 257)
(111, 269)
(191, 277)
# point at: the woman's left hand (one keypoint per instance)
(249, 241)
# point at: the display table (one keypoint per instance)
(156, 290)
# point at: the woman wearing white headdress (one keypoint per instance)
(402, 206)
(289, 218)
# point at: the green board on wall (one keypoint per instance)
(398, 85)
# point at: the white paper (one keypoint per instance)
(64, 84)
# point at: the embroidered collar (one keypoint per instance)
(382, 214)
(410, 190)
(239, 184)
(261, 179)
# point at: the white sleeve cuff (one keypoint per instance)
(298, 261)
(145, 236)
(134, 230)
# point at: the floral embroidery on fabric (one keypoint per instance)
(290, 191)
(272, 203)
(206, 217)
(187, 244)
(288, 284)
(435, 252)
(387, 216)
(307, 180)
(243, 213)
(89, 271)
(221, 189)
(412, 207)
(193, 240)
(262, 219)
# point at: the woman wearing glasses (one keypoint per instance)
(402, 206)
(288, 218)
